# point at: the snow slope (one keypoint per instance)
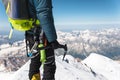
(103, 65)
(65, 71)
(94, 67)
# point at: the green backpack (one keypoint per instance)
(18, 15)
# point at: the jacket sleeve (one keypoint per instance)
(44, 14)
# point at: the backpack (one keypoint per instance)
(18, 15)
(19, 18)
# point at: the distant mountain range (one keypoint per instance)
(82, 43)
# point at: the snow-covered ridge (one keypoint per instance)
(85, 70)
(103, 65)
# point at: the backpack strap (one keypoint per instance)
(32, 38)
(29, 40)
(11, 33)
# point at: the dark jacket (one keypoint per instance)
(43, 11)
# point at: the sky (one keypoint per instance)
(67, 12)
(86, 11)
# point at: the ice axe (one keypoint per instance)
(59, 46)
(46, 47)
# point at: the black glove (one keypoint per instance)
(55, 44)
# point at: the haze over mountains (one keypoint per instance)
(83, 42)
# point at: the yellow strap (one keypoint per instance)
(8, 6)
(10, 34)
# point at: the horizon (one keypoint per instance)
(77, 12)
(71, 27)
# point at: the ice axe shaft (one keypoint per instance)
(65, 48)
(59, 46)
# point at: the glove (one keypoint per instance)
(55, 44)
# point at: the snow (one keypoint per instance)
(6, 49)
(22, 73)
(94, 67)
(106, 42)
(64, 71)
(2, 68)
(4, 46)
(103, 65)
(5, 75)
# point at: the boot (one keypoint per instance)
(36, 77)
